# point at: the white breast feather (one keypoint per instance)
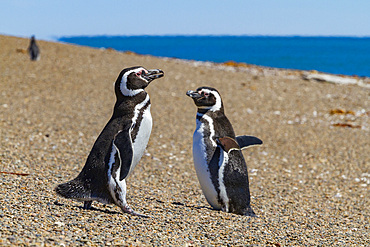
(111, 161)
(113, 183)
(142, 138)
(223, 161)
(211, 129)
(201, 165)
(143, 134)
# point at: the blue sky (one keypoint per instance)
(54, 18)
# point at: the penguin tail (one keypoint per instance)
(73, 189)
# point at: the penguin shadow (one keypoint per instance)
(187, 206)
(201, 207)
(204, 207)
(92, 208)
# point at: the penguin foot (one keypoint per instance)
(87, 204)
(249, 212)
(127, 209)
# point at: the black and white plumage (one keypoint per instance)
(33, 50)
(119, 146)
(218, 160)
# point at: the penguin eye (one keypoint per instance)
(203, 94)
(139, 73)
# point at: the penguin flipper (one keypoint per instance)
(228, 144)
(124, 152)
(245, 141)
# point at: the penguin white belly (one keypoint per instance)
(142, 138)
(201, 167)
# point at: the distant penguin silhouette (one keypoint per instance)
(218, 160)
(33, 50)
(119, 146)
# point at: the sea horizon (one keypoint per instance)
(344, 55)
(56, 38)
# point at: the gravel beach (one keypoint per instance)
(309, 181)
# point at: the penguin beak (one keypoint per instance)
(193, 94)
(153, 74)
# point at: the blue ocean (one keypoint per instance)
(336, 55)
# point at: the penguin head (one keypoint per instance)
(206, 98)
(132, 81)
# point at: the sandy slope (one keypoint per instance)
(309, 181)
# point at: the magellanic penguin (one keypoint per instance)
(119, 146)
(218, 160)
(33, 50)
